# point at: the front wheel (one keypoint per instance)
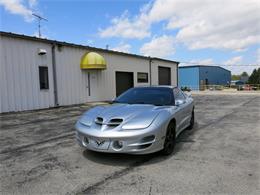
(192, 121)
(169, 141)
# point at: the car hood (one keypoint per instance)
(125, 116)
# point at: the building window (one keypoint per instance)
(142, 77)
(44, 78)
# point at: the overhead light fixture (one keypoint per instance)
(42, 51)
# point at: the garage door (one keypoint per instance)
(164, 74)
(124, 81)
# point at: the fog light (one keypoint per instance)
(85, 141)
(117, 145)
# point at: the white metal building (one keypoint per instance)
(40, 73)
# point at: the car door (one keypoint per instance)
(182, 110)
(189, 105)
(188, 108)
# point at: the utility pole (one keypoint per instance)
(39, 22)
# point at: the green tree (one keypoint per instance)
(244, 74)
(235, 77)
(254, 77)
(258, 76)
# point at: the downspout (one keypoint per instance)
(199, 79)
(177, 74)
(150, 70)
(56, 103)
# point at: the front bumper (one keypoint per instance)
(126, 141)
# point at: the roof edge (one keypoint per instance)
(51, 41)
(194, 66)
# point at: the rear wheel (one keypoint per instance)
(169, 141)
(192, 120)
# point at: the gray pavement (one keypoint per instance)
(39, 155)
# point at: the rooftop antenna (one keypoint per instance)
(39, 22)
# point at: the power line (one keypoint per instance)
(39, 22)
(213, 64)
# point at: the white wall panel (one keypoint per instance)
(120, 63)
(19, 76)
(174, 70)
(71, 80)
(19, 82)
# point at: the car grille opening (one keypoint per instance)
(144, 146)
(148, 139)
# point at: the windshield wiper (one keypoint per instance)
(140, 103)
(118, 102)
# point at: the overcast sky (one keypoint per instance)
(197, 31)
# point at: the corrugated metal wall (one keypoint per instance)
(215, 75)
(189, 77)
(20, 63)
(155, 67)
(71, 80)
(192, 77)
(19, 84)
(124, 64)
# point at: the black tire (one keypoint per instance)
(192, 121)
(169, 142)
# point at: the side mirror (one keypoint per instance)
(113, 101)
(179, 102)
(110, 101)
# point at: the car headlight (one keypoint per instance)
(85, 120)
(140, 122)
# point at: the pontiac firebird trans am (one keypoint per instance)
(142, 120)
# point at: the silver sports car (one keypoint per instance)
(141, 120)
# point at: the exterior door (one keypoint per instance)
(124, 81)
(164, 75)
(92, 85)
(85, 91)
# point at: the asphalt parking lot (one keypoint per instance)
(39, 154)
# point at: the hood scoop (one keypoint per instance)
(114, 122)
(99, 120)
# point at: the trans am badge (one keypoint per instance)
(99, 143)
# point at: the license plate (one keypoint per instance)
(100, 144)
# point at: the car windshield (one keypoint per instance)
(158, 96)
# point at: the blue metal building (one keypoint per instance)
(197, 76)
